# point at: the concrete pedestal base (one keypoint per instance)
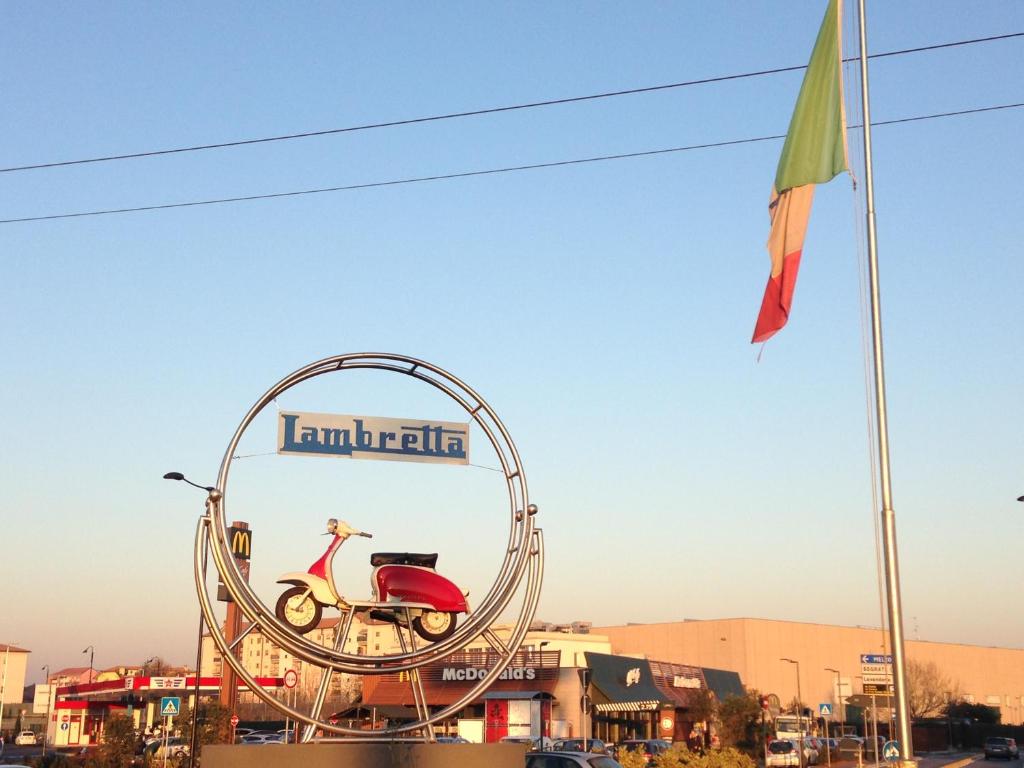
(365, 755)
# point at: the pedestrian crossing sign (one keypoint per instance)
(891, 751)
(824, 709)
(170, 706)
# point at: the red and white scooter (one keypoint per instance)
(404, 584)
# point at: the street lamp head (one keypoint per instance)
(180, 476)
(829, 669)
(791, 661)
(87, 649)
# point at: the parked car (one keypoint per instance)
(782, 753)
(176, 747)
(25, 738)
(830, 746)
(811, 750)
(569, 760)
(851, 747)
(452, 740)
(535, 743)
(263, 738)
(1001, 746)
(595, 746)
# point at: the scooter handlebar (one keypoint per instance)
(367, 535)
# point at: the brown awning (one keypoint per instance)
(448, 680)
(677, 681)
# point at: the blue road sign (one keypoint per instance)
(824, 709)
(170, 706)
(891, 751)
(874, 658)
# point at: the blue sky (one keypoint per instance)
(604, 310)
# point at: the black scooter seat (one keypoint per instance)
(403, 558)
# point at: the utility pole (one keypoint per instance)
(49, 702)
(799, 712)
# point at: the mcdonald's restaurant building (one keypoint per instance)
(541, 692)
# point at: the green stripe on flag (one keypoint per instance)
(815, 149)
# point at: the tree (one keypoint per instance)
(978, 713)
(678, 756)
(701, 705)
(118, 745)
(928, 690)
(213, 723)
(740, 718)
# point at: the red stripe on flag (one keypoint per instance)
(778, 297)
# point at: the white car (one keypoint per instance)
(533, 743)
(176, 747)
(25, 738)
(782, 754)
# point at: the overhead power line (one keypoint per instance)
(486, 111)
(484, 172)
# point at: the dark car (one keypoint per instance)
(569, 760)
(1001, 746)
(650, 747)
(851, 748)
(596, 746)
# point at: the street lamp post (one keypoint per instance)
(90, 650)
(49, 700)
(839, 695)
(799, 713)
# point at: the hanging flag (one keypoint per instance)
(814, 153)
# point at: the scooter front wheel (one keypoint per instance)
(297, 608)
(435, 626)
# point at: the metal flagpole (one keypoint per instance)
(892, 576)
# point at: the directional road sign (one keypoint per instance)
(824, 709)
(170, 706)
(891, 751)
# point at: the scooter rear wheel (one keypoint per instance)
(435, 626)
(302, 615)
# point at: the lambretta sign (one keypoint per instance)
(464, 674)
(372, 437)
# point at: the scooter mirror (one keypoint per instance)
(332, 525)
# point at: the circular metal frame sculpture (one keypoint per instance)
(524, 558)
